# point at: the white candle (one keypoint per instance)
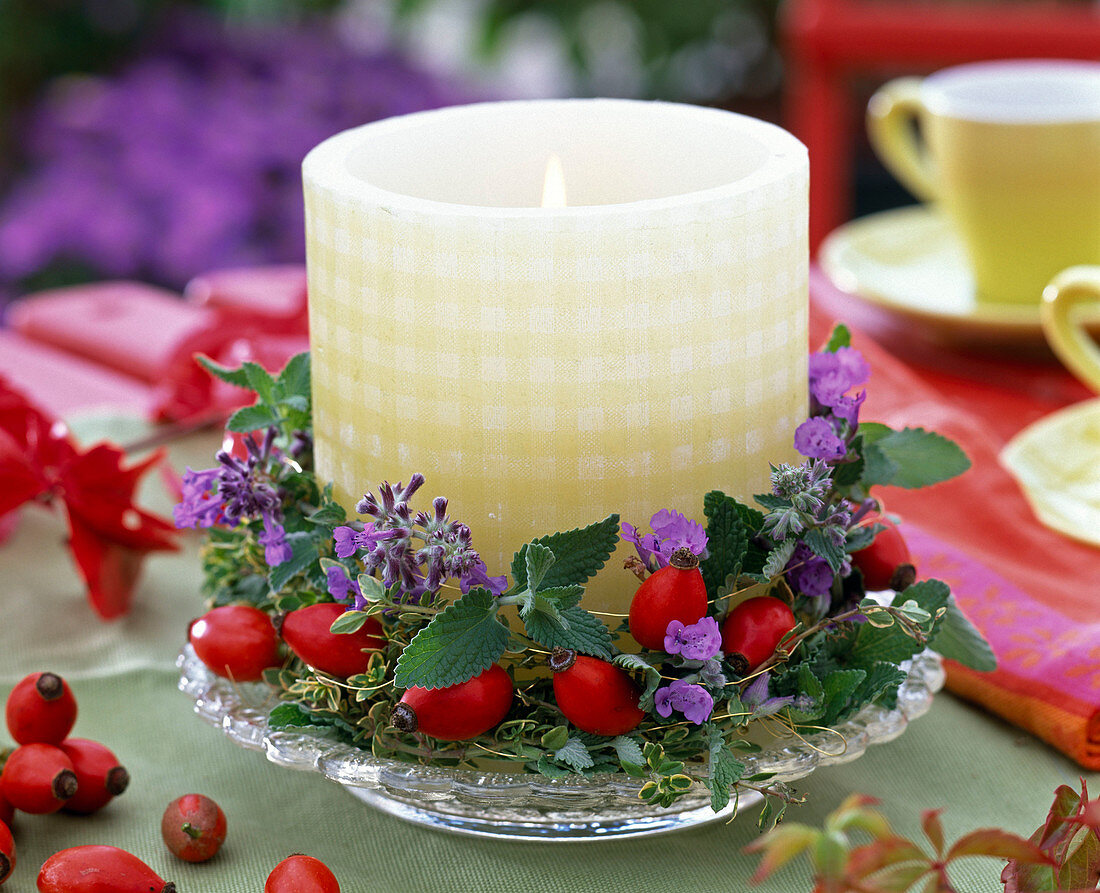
(546, 366)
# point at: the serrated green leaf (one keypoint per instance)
(894, 644)
(260, 381)
(878, 468)
(286, 716)
(880, 684)
(574, 753)
(549, 770)
(579, 554)
(294, 380)
(958, 639)
(586, 633)
(840, 686)
(230, 376)
(303, 553)
(841, 337)
(823, 547)
(458, 644)
(724, 770)
(813, 697)
(250, 418)
(628, 750)
(329, 515)
(848, 473)
(538, 559)
(296, 402)
(772, 502)
(922, 458)
(861, 537)
(727, 541)
(349, 622)
(652, 674)
(778, 557)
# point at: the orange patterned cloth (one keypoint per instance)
(1033, 593)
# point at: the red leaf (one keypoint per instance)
(110, 569)
(866, 860)
(780, 845)
(933, 828)
(998, 843)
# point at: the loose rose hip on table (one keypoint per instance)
(38, 778)
(237, 641)
(40, 709)
(301, 874)
(100, 777)
(7, 853)
(99, 869)
(193, 827)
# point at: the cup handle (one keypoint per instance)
(1067, 336)
(891, 113)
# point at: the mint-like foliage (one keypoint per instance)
(458, 644)
(582, 632)
(841, 337)
(575, 755)
(912, 458)
(579, 554)
(957, 639)
(724, 770)
(727, 541)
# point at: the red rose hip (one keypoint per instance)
(236, 641)
(753, 629)
(7, 811)
(675, 592)
(41, 709)
(99, 869)
(458, 712)
(886, 563)
(7, 852)
(306, 631)
(193, 827)
(38, 778)
(301, 874)
(595, 696)
(100, 778)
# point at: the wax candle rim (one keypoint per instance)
(326, 166)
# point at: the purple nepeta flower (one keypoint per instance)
(340, 585)
(671, 531)
(756, 698)
(273, 539)
(477, 574)
(349, 540)
(816, 439)
(699, 641)
(241, 484)
(854, 364)
(198, 506)
(809, 574)
(692, 700)
(847, 408)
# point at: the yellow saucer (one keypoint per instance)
(1057, 463)
(908, 264)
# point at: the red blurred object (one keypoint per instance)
(829, 43)
(109, 534)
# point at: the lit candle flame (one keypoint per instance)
(553, 187)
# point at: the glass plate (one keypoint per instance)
(528, 806)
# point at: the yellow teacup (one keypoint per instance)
(1011, 152)
(1067, 293)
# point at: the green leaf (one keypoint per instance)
(579, 554)
(586, 633)
(880, 685)
(303, 553)
(823, 547)
(330, 515)
(840, 337)
(294, 380)
(878, 468)
(230, 376)
(628, 750)
(894, 644)
(771, 502)
(575, 754)
(957, 638)
(638, 663)
(455, 646)
(538, 559)
(286, 716)
(849, 473)
(556, 738)
(778, 557)
(810, 686)
(249, 418)
(727, 541)
(922, 458)
(873, 432)
(724, 770)
(260, 380)
(349, 622)
(840, 686)
(296, 402)
(371, 588)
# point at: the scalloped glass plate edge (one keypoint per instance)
(526, 806)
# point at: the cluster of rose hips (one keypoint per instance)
(240, 642)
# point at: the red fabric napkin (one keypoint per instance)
(1033, 593)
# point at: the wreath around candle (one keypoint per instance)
(513, 668)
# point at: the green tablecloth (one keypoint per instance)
(983, 771)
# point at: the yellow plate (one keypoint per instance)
(908, 263)
(1057, 463)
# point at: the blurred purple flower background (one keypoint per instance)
(188, 158)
